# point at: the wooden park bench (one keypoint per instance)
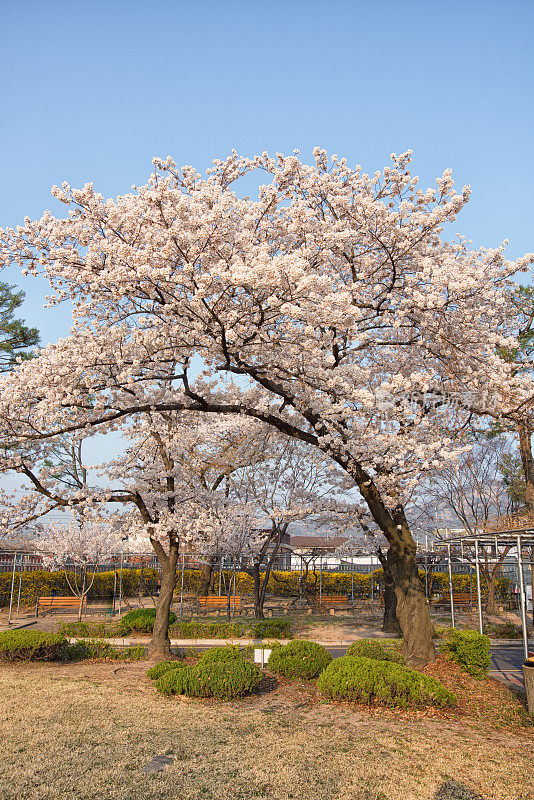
(59, 603)
(459, 599)
(216, 603)
(333, 601)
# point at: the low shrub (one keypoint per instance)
(371, 681)
(141, 620)
(379, 649)
(136, 652)
(271, 627)
(21, 645)
(88, 649)
(99, 630)
(470, 650)
(98, 648)
(504, 630)
(207, 630)
(158, 670)
(221, 679)
(227, 653)
(168, 682)
(299, 659)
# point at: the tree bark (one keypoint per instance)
(390, 623)
(525, 450)
(412, 608)
(413, 612)
(260, 585)
(205, 577)
(491, 605)
(258, 597)
(160, 645)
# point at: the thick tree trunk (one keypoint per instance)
(491, 605)
(160, 645)
(413, 612)
(205, 577)
(390, 623)
(258, 595)
(412, 608)
(525, 450)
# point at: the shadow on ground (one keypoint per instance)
(451, 790)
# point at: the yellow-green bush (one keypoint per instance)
(40, 583)
(286, 583)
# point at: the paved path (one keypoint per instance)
(506, 662)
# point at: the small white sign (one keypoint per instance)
(261, 656)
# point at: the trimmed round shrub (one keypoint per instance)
(470, 650)
(227, 653)
(168, 680)
(299, 659)
(159, 669)
(32, 646)
(221, 679)
(380, 649)
(368, 680)
(141, 620)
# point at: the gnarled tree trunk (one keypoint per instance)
(390, 623)
(412, 610)
(160, 645)
(205, 577)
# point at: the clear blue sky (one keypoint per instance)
(92, 91)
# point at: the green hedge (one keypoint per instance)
(470, 650)
(141, 620)
(379, 649)
(197, 629)
(161, 668)
(45, 584)
(221, 679)
(299, 659)
(98, 649)
(271, 628)
(370, 681)
(21, 645)
(227, 653)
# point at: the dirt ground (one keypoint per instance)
(83, 731)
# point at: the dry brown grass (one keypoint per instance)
(83, 731)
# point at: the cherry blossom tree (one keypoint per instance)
(78, 546)
(288, 481)
(167, 484)
(329, 307)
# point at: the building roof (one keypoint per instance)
(325, 543)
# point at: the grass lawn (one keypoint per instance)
(84, 730)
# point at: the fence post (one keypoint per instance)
(479, 593)
(12, 587)
(451, 593)
(22, 560)
(182, 587)
(521, 588)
